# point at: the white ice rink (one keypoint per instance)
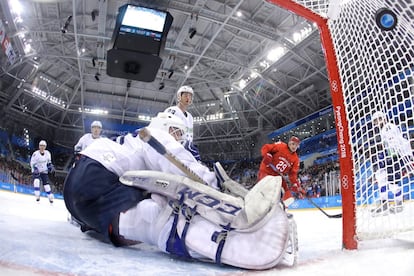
(36, 239)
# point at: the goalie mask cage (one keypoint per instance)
(370, 69)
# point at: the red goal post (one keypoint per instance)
(370, 68)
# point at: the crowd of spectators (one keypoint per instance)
(12, 171)
(15, 172)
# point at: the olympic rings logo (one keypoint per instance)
(334, 86)
(345, 182)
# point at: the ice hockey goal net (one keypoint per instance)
(369, 51)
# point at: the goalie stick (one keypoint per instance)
(310, 200)
(320, 209)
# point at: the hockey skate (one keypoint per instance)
(381, 210)
(51, 197)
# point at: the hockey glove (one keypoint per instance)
(50, 168)
(36, 172)
(299, 192)
(76, 153)
(267, 159)
(193, 150)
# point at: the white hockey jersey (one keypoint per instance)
(84, 141)
(135, 154)
(40, 160)
(394, 142)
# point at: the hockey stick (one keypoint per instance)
(310, 200)
(325, 213)
(146, 136)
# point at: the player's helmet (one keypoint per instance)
(379, 115)
(182, 89)
(295, 139)
(96, 124)
(42, 143)
(169, 123)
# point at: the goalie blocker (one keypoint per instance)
(193, 220)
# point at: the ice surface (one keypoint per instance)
(36, 239)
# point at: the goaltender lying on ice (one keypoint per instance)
(129, 193)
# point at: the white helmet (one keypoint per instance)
(378, 115)
(42, 143)
(96, 124)
(182, 89)
(164, 121)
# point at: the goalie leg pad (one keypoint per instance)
(260, 247)
(140, 223)
(228, 184)
(266, 193)
(213, 205)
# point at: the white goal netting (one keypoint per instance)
(375, 61)
(377, 69)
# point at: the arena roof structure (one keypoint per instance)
(254, 68)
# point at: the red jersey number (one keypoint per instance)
(281, 166)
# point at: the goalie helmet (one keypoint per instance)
(169, 123)
(182, 89)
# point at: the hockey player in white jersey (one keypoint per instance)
(88, 138)
(126, 215)
(185, 95)
(41, 165)
(393, 159)
(85, 141)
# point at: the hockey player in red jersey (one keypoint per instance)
(281, 159)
